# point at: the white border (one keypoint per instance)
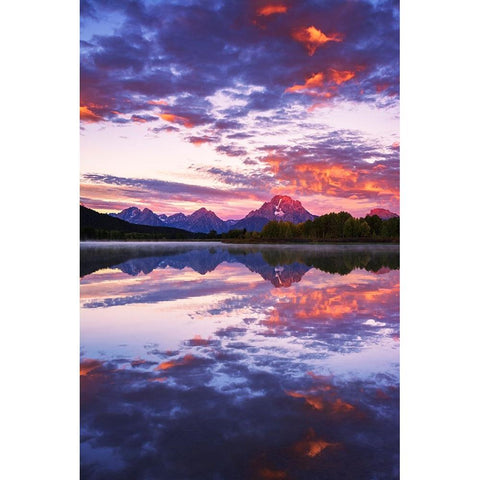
(439, 205)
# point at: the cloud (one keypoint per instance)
(198, 341)
(312, 446)
(312, 38)
(158, 102)
(165, 128)
(255, 180)
(271, 474)
(114, 193)
(339, 77)
(186, 360)
(200, 140)
(87, 9)
(179, 423)
(88, 365)
(170, 117)
(101, 199)
(337, 164)
(143, 118)
(240, 135)
(271, 9)
(231, 150)
(330, 80)
(161, 54)
(144, 187)
(88, 116)
(314, 81)
(224, 124)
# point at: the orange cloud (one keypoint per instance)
(322, 178)
(329, 82)
(170, 117)
(315, 81)
(360, 301)
(269, 474)
(274, 162)
(332, 179)
(334, 174)
(271, 9)
(339, 406)
(157, 102)
(88, 365)
(312, 446)
(312, 38)
(322, 398)
(318, 80)
(186, 360)
(314, 401)
(334, 303)
(341, 76)
(86, 115)
(273, 320)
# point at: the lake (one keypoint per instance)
(214, 361)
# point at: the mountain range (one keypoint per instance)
(279, 208)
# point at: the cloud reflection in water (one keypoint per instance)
(280, 368)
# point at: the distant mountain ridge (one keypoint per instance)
(140, 217)
(279, 208)
(202, 220)
(90, 220)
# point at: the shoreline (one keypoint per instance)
(249, 241)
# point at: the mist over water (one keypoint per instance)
(213, 361)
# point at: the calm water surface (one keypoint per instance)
(210, 361)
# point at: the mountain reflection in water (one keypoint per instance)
(208, 361)
(265, 260)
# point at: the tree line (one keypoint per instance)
(340, 226)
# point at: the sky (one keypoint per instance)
(223, 104)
